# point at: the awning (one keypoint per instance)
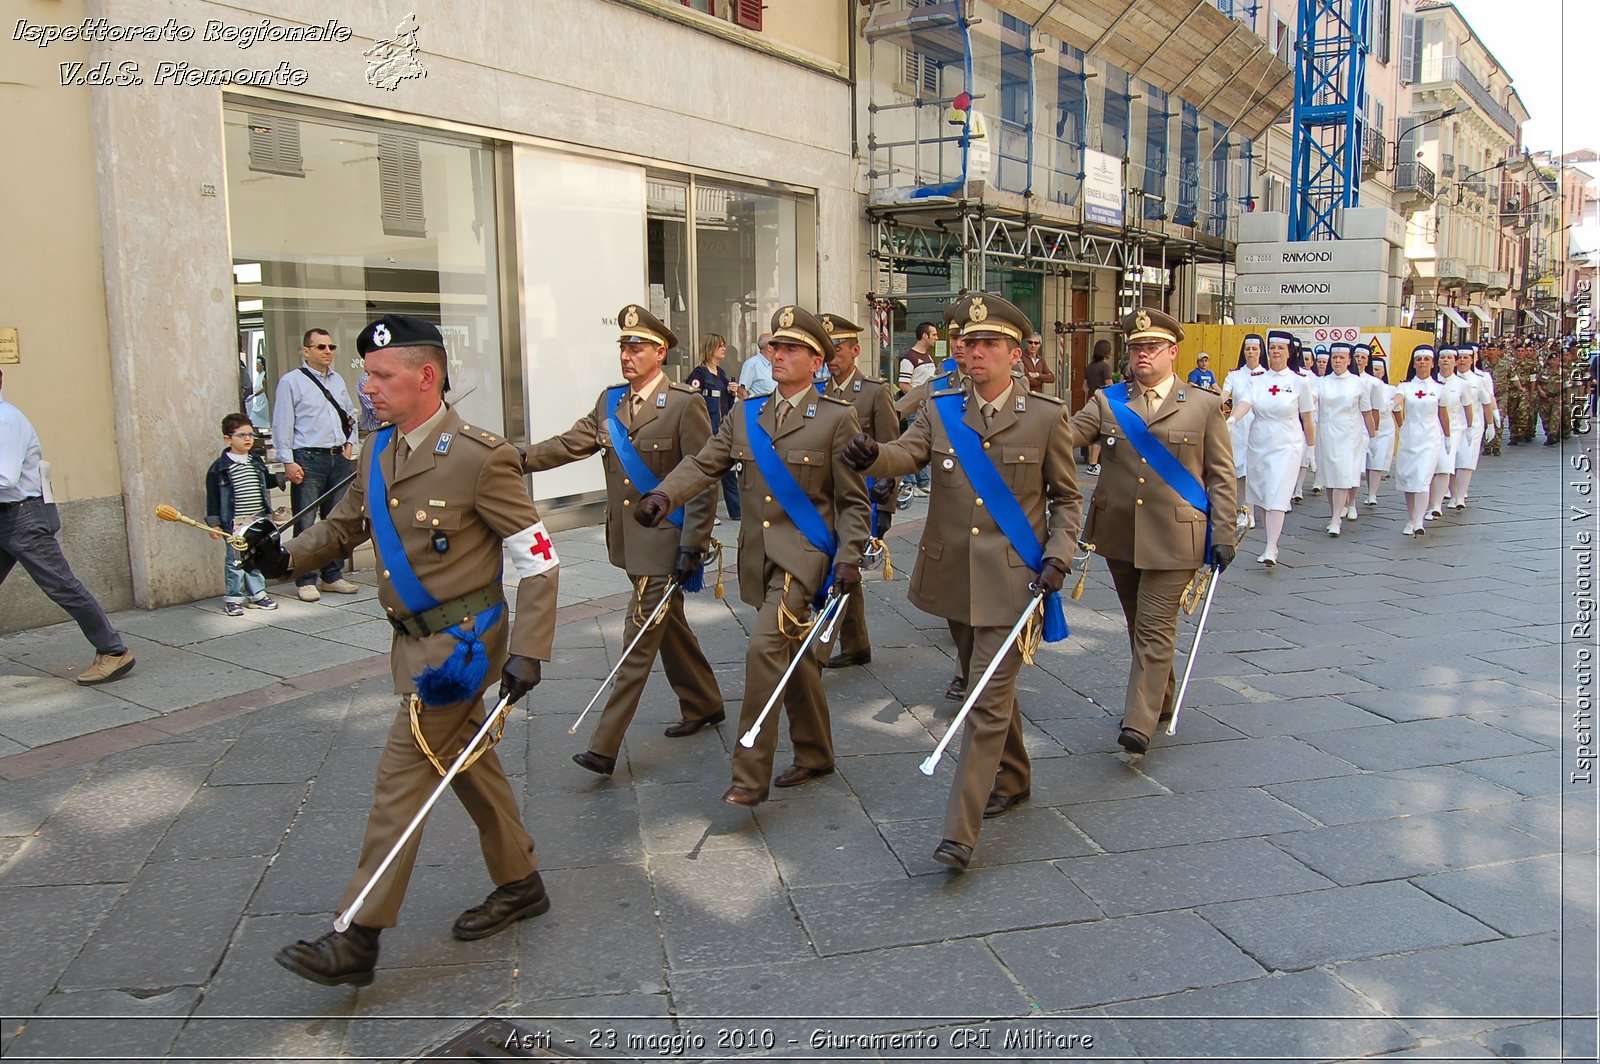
(1483, 315)
(1454, 315)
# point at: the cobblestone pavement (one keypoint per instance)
(1365, 841)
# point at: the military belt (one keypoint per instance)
(446, 614)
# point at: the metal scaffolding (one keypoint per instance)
(1330, 77)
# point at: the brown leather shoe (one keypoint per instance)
(107, 667)
(845, 661)
(795, 775)
(1001, 804)
(503, 907)
(955, 854)
(599, 764)
(689, 727)
(957, 689)
(737, 795)
(336, 959)
(1132, 741)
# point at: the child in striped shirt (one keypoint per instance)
(237, 486)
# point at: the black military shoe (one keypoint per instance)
(1001, 804)
(955, 854)
(599, 764)
(957, 689)
(503, 907)
(1132, 741)
(845, 661)
(686, 728)
(336, 959)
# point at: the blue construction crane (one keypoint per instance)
(1330, 77)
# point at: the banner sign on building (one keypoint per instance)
(1102, 188)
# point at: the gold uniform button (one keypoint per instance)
(625, 480)
(805, 458)
(1138, 502)
(627, 502)
(435, 522)
(1141, 480)
(466, 428)
(974, 531)
(769, 498)
(978, 501)
(386, 574)
(766, 524)
(986, 445)
(393, 503)
(389, 608)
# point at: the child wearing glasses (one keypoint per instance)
(237, 486)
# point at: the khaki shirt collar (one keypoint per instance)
(650, 389)
(1000, 400)
(419, 435)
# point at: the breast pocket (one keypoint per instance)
(1021, 464)
(946, 470)
(657, 452)
(744, 466)
(1184, 443)
(807, 466)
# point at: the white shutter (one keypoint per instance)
(1410, 48)
(400, 185)
(275, 146)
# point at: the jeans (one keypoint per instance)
(730, 493)
(27, 536)
(922, 478)
(322, 471)
(242, 582)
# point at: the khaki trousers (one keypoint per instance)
(684, 662)
(993, 757)
(406, 778)
(1150, 601)
(804, 700)
(852, 637)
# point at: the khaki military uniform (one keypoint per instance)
(912, 401)
(875, 413)
(462, 489)
(1151, 539)
(778, 567)
(968, 573)
(670, 423)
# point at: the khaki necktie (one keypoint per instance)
(402, 451)
(635, 404)
(780, 413)
(1151, 401)
(988, 415)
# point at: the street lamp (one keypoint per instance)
(1400, 134)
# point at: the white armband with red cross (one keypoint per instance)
(532, 551)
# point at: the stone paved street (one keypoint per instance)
(1363, 842)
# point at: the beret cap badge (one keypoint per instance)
(380, 335)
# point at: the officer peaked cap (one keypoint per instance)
(639, 326)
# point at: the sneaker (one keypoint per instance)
(263, 603)
(233, 609)
(716, 521)
(1350, 513)
(1092, 470)
(341, 586)
(1372, 500)
(106, 668)
(308, 593)
(921, 492)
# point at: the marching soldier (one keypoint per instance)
(440, 499)
(1494, 363)
(645, 426)
(805, 515)
(875, 413)
(1553, 403)
(1002, 522)
(1517, 369)
(1166, 488)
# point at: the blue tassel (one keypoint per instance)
(1055, 619)
(462, 675)
(697, 580)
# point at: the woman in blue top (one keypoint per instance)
(712, 383)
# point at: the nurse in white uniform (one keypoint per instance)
(1424, 426)
(1310, 369)
(1283, 429)
(1236, 388)
(1343, 404)
(1380, 450)
(1454, 402)
(1480, 400)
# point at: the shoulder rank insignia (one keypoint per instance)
(443, 446)
(811, 410)
(1022, 403)
(856, 387)
(1180, 395)
(661, 401)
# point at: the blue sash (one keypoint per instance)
(628, 454)
(1156, 455)
(462, 674)
(999, 501)
(787, 491)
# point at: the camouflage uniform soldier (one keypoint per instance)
(1497, 367)
(1519, 391)
(1554, 404)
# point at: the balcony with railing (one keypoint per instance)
(1477, 278)
(1415, 179)
(1499, 282)
(1374, 150)
(1451, 270)
(1451, 72)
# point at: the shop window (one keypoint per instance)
(275, 146)
(400, 186)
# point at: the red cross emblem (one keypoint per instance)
(542, 546)
(1421, 394)
(1273, 390)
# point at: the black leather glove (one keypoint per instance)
(1221, 555)
(1051, 576)
(520, 676)
(688, 562)
(652, 509)
(846, 578)
(885, 521)
(264, 553)
(861, 451)
(883, 491)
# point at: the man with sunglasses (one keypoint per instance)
(314, 429)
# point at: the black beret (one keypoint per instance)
(398, 330)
